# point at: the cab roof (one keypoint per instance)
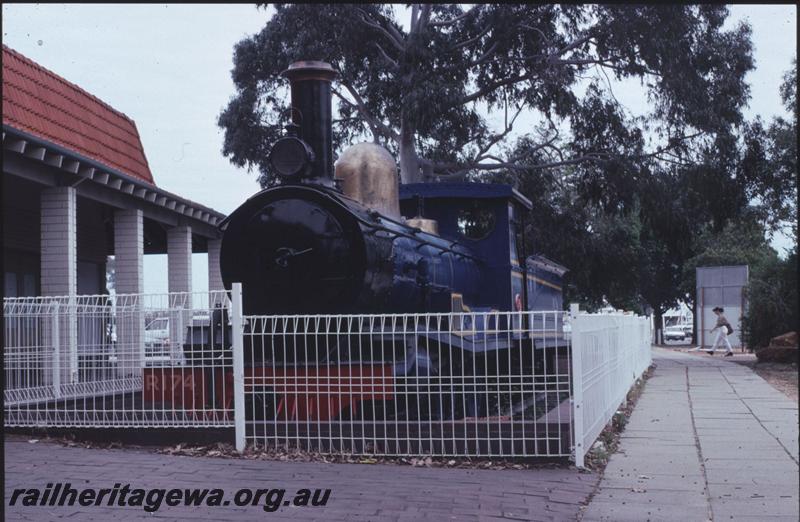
(463, 190)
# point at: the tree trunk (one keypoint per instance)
(409, 161)
(657, 320)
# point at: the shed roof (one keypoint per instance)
(39, 102)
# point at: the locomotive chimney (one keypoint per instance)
(311, 113)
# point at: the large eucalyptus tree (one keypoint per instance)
(444, 91)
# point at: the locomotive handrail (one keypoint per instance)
(403, 234)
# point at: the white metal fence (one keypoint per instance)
(479, 384)
(509, 384)
(113, 361)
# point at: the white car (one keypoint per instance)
(156, 340)
(674, 333)
(157, 331)
(566, 327)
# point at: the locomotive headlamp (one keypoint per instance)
(291, 157)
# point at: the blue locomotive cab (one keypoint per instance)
(544, 284)
(489, 220)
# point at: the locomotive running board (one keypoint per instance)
(491, 342)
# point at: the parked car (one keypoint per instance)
(674, 333)
(156, 340)
(566, 327)
(158, 345)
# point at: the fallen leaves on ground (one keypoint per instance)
(282, 453)
(608, 441)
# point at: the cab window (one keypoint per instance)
(476, 221)
(515, 237)
(512, 240)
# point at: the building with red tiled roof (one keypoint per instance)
(77, 189)
(43, 104)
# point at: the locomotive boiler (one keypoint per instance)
(347, 239)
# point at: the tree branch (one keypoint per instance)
(541, 33)
(465, 166)
(489, 52)
(424, 17)
(573, 45)
(492, 86)
(516, 79)
(494, 140)
(449, 170)
(545, 145)
(383, 129)
(366, 118)
(392, 35)
(386, 57)
(458, 18)
(472, 40)
(603, 62)
(674, 142)
(397, 35)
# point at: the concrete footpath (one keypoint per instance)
(708, 440)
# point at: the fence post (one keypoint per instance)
(72, 339)
(56, 338)
(237, 334)
(577, 387)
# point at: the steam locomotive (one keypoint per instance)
(333, 240)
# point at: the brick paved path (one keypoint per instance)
(379, 493)
(708, 440)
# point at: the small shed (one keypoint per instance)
(720, 286)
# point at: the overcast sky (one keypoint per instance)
(168, 68)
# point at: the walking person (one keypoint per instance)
(724, 329)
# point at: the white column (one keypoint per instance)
(129, 279)
(179, 259)
(179, 262)
(214, 276)
(129, 251)
(59, 241)
(59, 277)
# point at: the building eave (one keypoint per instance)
(83, 169)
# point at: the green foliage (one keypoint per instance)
(772, 301)
(597, 246)
(423, 91)
(712, 209)
(772, 159)
(741, 242)
(630, 204)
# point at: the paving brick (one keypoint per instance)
(377, 493)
